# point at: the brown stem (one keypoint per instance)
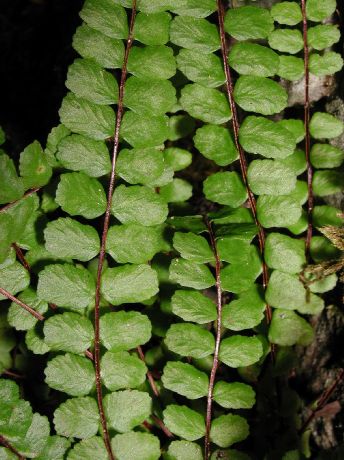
(21, 257)
(242, 158)
(89, 355)
(5, 443)
(13, 374)
(307, 133)
(26, 195)
(149, 374)
(217, 342)
(162, 426)
(21, 304)
(322, 401)
(120, 109)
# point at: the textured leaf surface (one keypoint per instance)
(190, 340)
(228, 429)
(284, 253)
(287, 328)
(286, 40)
(288, 13)
(205, 69)
(260, 95)
(318, 11)
(326, 156)
(32, 444)
(124, 330)
(66, 286)
(240, 351)
(185, 380)
(141, 166)
(157, 60)
(55, 448)
(278, 211)
(264, 137)
(325, 126)
(71, 374)
(225, 188)
(77, 417)
(184, 422)
(79, 153)
(215, 143)
(19, 318)
(190, 274)
(327, 182)
(106, 16)
(68, 332)
(89, 449)
(291, 67)
(246, 312)
(177, 158)
(68, 238)
(323, 36)
(143, 130)
(129, 284)
(194, 8)
(234, 395)
(206, 104)
(195, 34)
(180, 450)
(11, 186)
(193, 306)
(176, 191)
(122, 370)
(193, 247)
(248, 22)
(14, 279)
(34, 167)
(253, 59)
(136, 446)
(326, 64)
(270, 177)
(127, 409)
(152, 29)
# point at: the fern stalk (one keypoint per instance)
(119, 116)
(23, 305)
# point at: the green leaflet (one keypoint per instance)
(296, 162)
(284, 253)
(234, 249)
(176, 191)
(14, 279)
(177, 158)
(68, 238)
(206, 104)
(180, 126)
(253, 59)
(129, 284)
(326, 215)
(264, 137)
(269, 177)
(116, 407)
(180, 450)
(66, 286)
(278, 211)
(156, 60)
(79, 153)
(194, 8)
(35, 342)
(90, 81)
(327, 182)
(70, 373)
(205, 69)
(195, 34)
(11, 186)
(185, 380)
(34, 167)
(193, 247)
(248, 22)
(89, 449)
(190, 340)
(286, 291)
(228, 429)
(68, 332)
(144, 130)
(326, 64)
(154, 97)
(326, 156)
(191, 274)
(286, 40)
(19, 318)
(145, 242)
(54, 138)
(136, 446)
(193, 306)
(291, 67)
(122, 370)
(215, 143)
(124, 330)
(77, 417)
(152, 29)
(288, 13)
(321, 249)
(324, 125)
(260, 95)
(225, 188)
(287, 329)
(184, 422)
(55, 448)
(246, 312)
(106, 17)
(319, 11)
(86, 118)
(35, 438)
(6, 237)
(234, 395)
(138, 205)
(91, 44)
(323, 36)
(240, 351)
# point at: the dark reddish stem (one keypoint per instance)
(217, 341)
(21, 304)
(26, 195)
(162, 426)
(14, 375)
(242, 158)
(322, 401)
(8, 446)
(307, 133)
(89, 355)
(106, 224)
(21, 257)
(149, 374)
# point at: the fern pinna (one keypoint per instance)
(165, 319)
